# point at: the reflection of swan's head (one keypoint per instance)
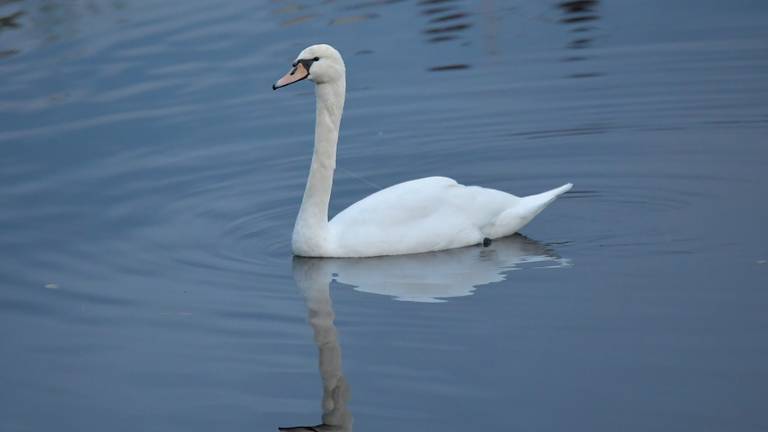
(319, 63)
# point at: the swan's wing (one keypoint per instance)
(400, 203)
(421, 215)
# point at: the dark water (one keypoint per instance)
(149, 179)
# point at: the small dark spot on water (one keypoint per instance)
(442, 39)
(579, 19)
(437, 10)
(8, 53)
(577, 6)
(582, 29)
(372, 3)
(450, 17)
(449, 67)
(448, 29)
(584, 75)
(12, 20)
(429, 2)
(580, 43)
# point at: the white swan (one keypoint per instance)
(423, 215)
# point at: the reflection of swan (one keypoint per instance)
(335, 389)
(421, 277)
(432, 276)
(423, 215)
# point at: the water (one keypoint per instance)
(150, 176)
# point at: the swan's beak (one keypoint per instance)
(298, 73)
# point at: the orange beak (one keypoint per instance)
(298, 73)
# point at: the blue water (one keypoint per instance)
(149, 180)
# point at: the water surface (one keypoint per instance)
(150, 176)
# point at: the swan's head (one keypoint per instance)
(319, 63)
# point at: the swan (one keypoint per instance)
(423, 215)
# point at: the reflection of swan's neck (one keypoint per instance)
(311, 228)
(335, 389)
(311, 278)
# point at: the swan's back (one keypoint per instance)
(423, 215)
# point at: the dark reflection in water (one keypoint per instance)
(43, 23)
(299, 13)
(445, 24)
(371, 3)
(309, 277)
(449, 67)
(446, 21)
(579, 11)
(10, 21)
(8, 53)
(579, 17)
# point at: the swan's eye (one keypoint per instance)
(307, 63)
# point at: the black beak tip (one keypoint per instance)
(274, 87)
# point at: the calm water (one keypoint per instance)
(150, 176)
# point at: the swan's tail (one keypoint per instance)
(518, 216)
(543, 199)
(532, 205)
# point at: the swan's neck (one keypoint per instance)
(311, 230)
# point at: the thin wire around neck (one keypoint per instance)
(351, 174)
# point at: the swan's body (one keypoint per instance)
(430, 214)
(423, 215)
